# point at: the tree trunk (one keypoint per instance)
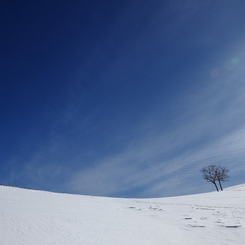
(216, 186)
(220, 185)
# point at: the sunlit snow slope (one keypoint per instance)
(36, 217)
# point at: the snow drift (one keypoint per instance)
(37, 217)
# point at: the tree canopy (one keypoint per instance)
(214, 173)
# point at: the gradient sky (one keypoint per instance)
(121, 98)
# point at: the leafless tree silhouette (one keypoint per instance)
(221, 175)
(209, 174)
(214, 173)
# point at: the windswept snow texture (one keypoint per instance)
(36, 217)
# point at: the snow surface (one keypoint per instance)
(37, 217)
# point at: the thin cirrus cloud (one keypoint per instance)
(209, 131)
(207, 128)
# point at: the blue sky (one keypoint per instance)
(121, 98)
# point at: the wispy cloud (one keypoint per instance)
(209, 131)
(205, 126)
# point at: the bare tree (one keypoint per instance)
(221, 175)
(209, 174)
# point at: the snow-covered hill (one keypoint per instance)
(36, 217)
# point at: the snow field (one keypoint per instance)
(37, 217)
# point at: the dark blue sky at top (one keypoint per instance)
(91, 91)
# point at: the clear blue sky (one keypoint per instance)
(121, 98)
